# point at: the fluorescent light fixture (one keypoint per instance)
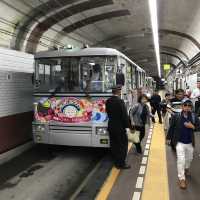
(143, 60)
(154, 24)
(91, 63)
(134, 35)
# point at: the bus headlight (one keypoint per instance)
(38, 128)
(101, 131)
(38, 138)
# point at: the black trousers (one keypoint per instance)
(141, 129)
(158, 110)
(118, 147)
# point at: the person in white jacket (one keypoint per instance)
(196, 91)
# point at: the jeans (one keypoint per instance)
(184, 154)
(141, 129)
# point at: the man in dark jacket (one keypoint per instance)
(179, 96)
(155, 106)
(181, 135)
(117, 124)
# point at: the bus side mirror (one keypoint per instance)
(120, 79)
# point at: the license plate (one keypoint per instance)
(103, 141)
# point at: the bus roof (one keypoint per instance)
(91, 51)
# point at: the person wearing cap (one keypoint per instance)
(196, 91)
(117, 124)
(181, 135)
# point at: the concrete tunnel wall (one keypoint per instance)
(16, 98)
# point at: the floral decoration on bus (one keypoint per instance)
(70, 110)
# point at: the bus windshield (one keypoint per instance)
(75, 74)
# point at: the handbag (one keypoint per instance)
(133, 136)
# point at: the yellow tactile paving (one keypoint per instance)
(107, 187)
(156, 179)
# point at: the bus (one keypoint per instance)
(70, 91)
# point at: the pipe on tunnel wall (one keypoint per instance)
(22, 28)
(55, 18)
(195, 59)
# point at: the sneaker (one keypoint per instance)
(182, 184)
(187, 172)
(123, 166)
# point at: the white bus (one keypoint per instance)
(71, 87)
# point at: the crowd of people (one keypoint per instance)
(179, 127)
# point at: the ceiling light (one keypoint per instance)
(134, 35)
(154, 24)
(143, 60)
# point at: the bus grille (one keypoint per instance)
(71, 129)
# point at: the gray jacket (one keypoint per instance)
(135, 115)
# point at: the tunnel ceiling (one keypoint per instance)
(34, 25)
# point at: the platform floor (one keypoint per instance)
(153, 175)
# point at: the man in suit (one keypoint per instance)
(117, 125)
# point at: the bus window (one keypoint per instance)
(44, 73)
(133, 77)
(43, 76)
(140, 75)
(143, 79)
(76, 74)
(91, 74)
(57, 74)
(128, 76)
(109, 77)
(138, 79)
(120, 79)
(70, 72)
(110, 71)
